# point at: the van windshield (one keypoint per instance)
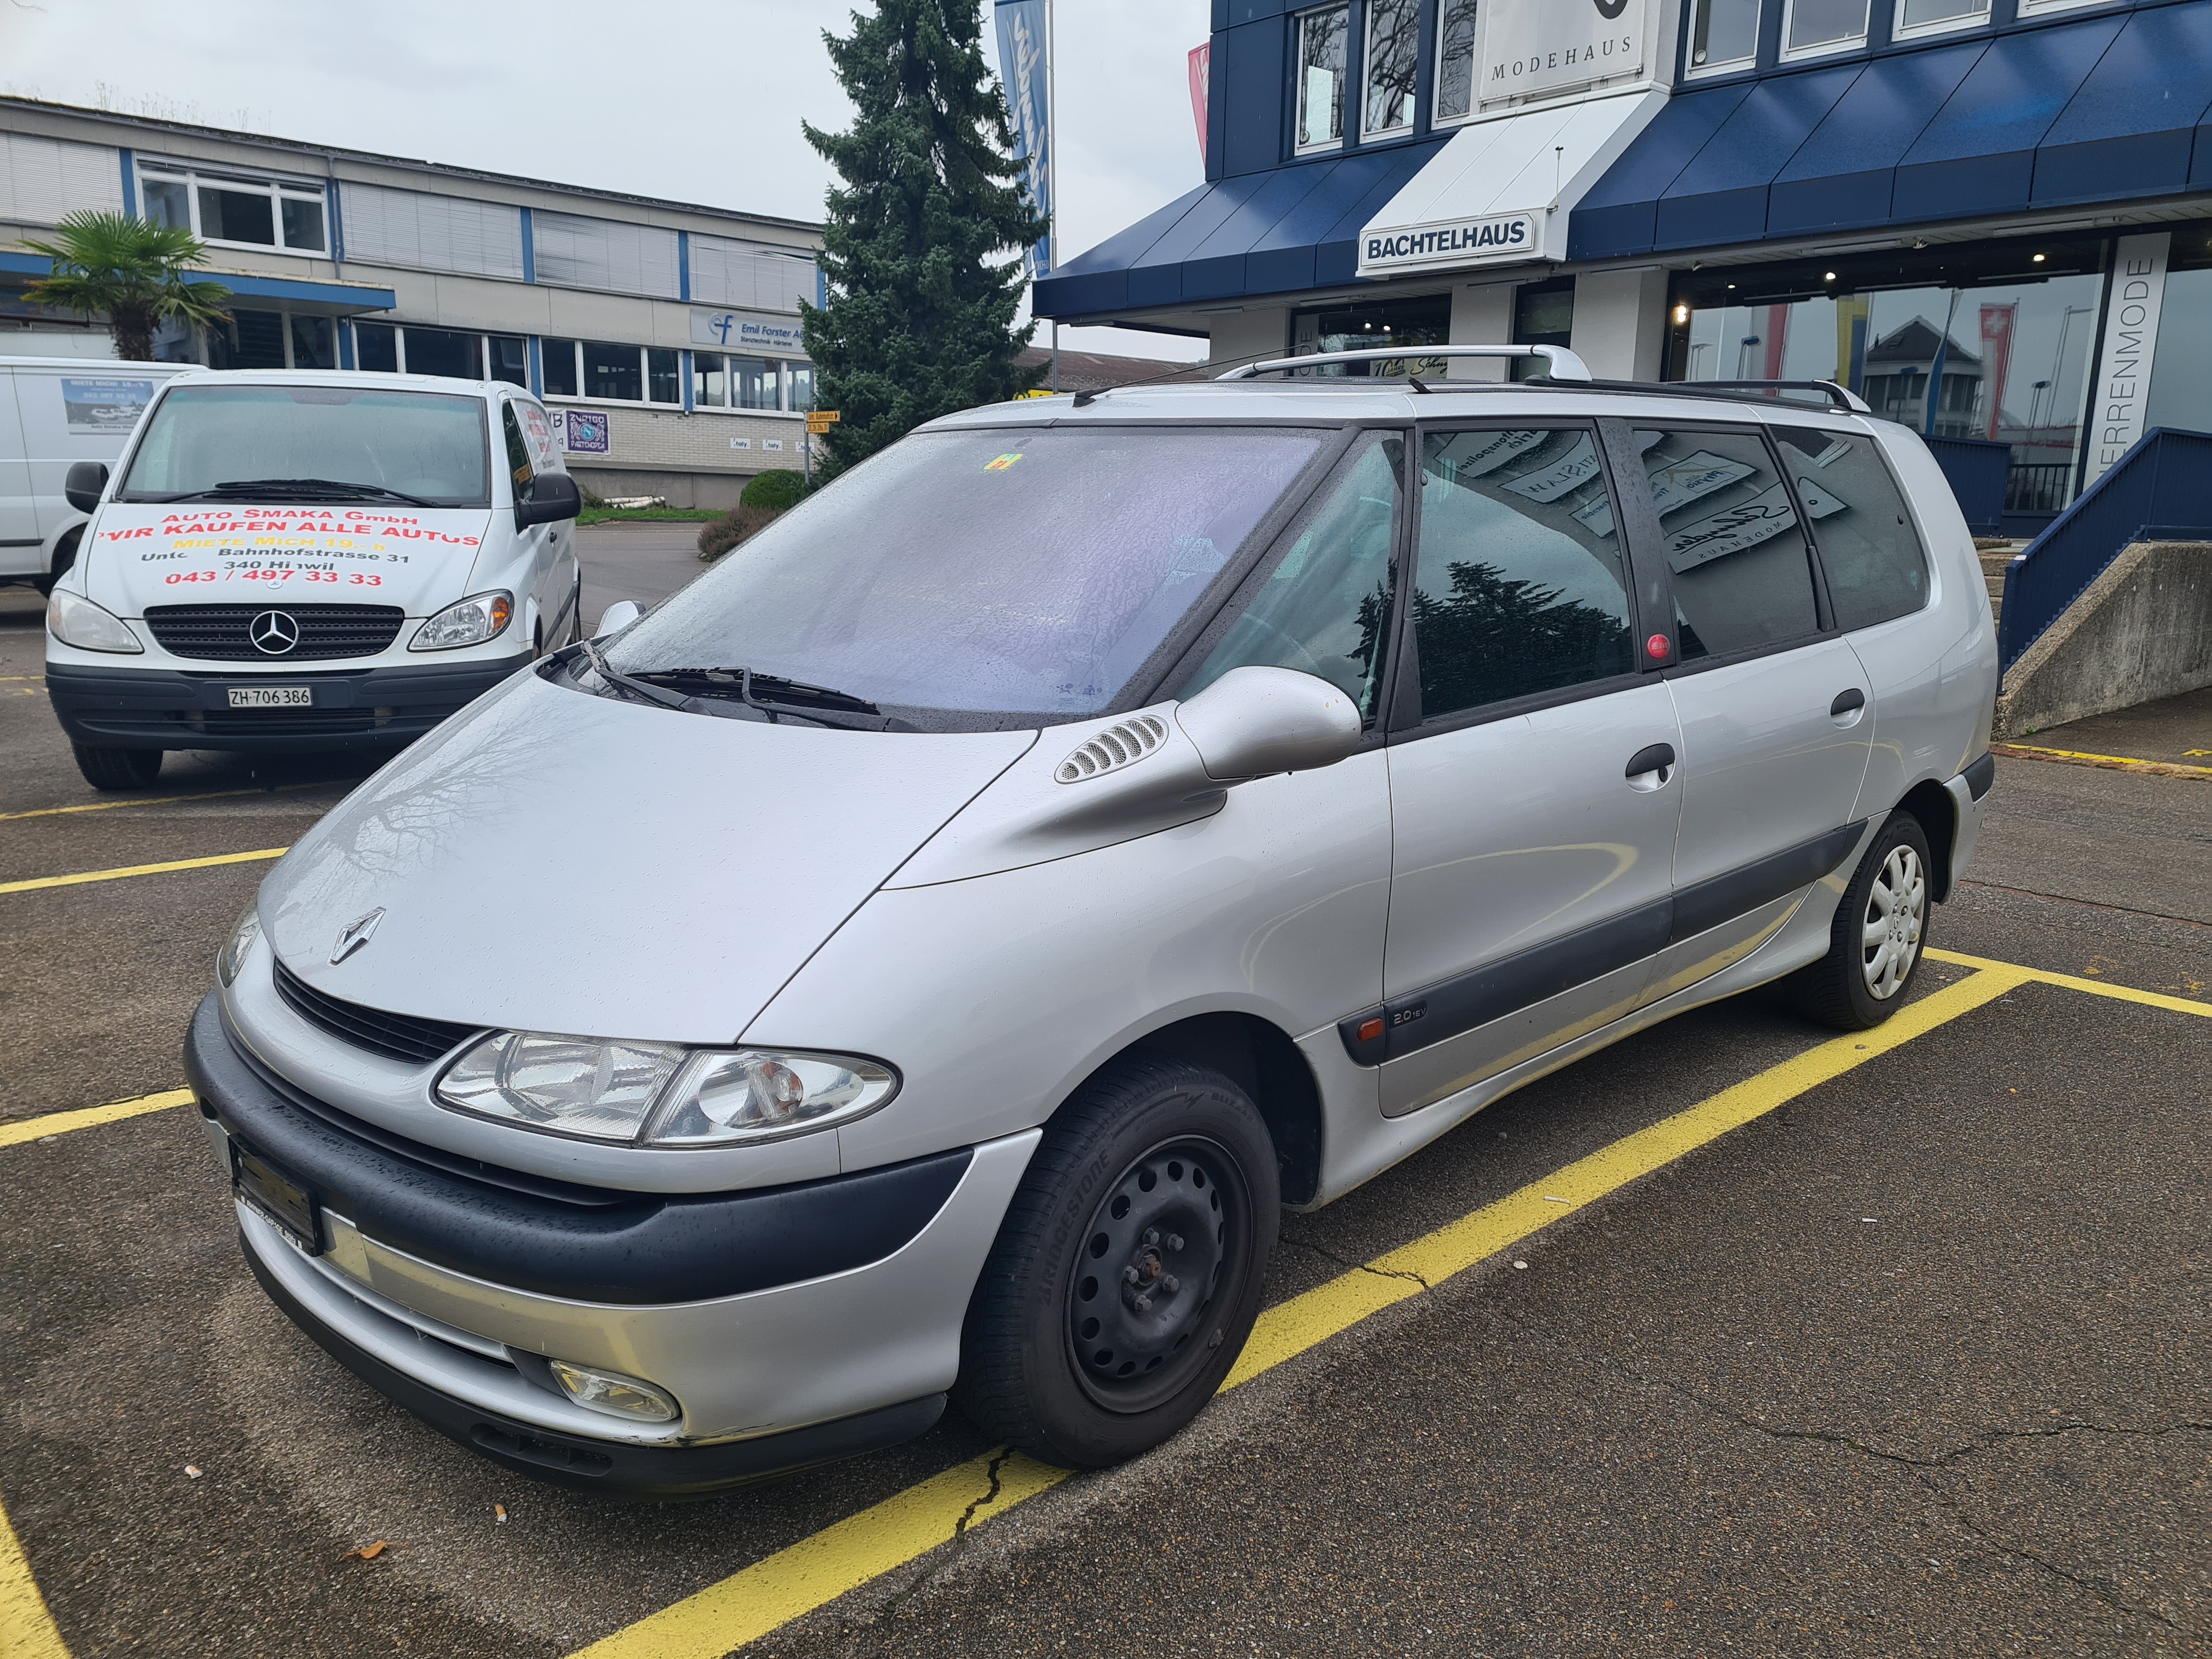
(278, 441)
(1018, 577)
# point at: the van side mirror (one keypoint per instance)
(84, 484)
(553, 497)
(621, 614)
(1253, 722)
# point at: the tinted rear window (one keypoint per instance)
(1876, 571)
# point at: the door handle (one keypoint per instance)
(1655, 757)
(1845, 702)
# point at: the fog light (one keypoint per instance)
(613, 1393)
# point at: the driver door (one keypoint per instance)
(549, 547)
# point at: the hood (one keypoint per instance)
(198, 553)
(555, 862)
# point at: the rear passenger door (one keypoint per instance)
(1534, 818)
(1772, 702)
(549, 583)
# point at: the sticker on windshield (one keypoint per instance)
(1004, 462)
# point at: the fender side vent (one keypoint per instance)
(1119, 746)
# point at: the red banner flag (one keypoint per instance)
(1201, 59)
(1997, 356)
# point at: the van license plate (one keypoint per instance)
(272, 696)
(276, 1197)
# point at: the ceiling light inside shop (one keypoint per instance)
(2039, 259)
(1828, 276)
(1682, 314)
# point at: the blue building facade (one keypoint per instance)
(1991, 218)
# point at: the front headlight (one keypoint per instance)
(75, 620)
(657, 1094)
(232, 959)
(474, 620)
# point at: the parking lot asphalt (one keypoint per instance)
(1916, 1361)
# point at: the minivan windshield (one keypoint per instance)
(1018, 577)
(242, 443)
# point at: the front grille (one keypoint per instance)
(223, 632)
(287, 722)
(395, 1037)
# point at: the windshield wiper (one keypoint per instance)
(616, 676)
(326, 490)
(776, 696)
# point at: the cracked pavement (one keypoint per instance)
(1916, 1364)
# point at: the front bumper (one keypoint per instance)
(844, 1335)
(126, 707)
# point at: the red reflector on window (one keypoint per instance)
(1658, 647)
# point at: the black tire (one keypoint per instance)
(1091, 1380)
(1859, 984)
(118, 768)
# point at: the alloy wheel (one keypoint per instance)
(1897, 909)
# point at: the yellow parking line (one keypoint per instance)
(2094, 987)
(814, 1571)
(154, 800)
(140, 870)
(2103, 760)
(26, 1629)
(89, 1117)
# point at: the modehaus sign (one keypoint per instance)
(1535, 46)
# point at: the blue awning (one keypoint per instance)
(1277, 231)
(2100, 109)
(330, 299)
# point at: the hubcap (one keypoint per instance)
(1889, 940)
(1142, 1296)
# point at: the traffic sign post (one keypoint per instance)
(818, 421)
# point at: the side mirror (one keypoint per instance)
(84, 484)
(1253, 722)
(553, 497)
(621, 614)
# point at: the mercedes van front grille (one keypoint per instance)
(395, 1037)
(294, 633)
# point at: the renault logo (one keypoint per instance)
(273, 633)
(355, 933)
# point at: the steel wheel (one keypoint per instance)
(1896, 912)
(1144, 1284)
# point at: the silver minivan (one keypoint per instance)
(1081, 831)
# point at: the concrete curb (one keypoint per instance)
(2143, 631)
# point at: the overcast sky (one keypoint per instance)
(696, 101)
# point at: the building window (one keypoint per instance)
(1953, 342)
(267, 339)
(1371, 326)
(2036, 7)
(764, 383)
(798, 383)
(1918, 17)
(618, 374)
(1455, 60)
(1809, 27)
(1321, 76)
(1723, 35)
(710, 381)
(240, 211)
(455, 354)
(1394, 36)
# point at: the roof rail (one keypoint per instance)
(1838, 396)
(1560, 363)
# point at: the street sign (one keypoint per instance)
(820, 419)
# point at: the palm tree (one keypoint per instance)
(131, 269)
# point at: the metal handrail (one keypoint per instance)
(1563, 364)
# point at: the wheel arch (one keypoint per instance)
(1260, 1059)
(1931, 803)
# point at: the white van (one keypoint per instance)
(284, 563)
(55, 412)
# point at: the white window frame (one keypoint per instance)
(1826, 48)
(400, 346)
(784, 365)
(1901, 30)
(1726, 65)
(2041, 8)
(644, 375)
(1346, 108)
(278, 191)
(1436, 117)
(1367, 77)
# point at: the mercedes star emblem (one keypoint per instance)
(273, 633)
(356, 934)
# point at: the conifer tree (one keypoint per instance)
(920, 250)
